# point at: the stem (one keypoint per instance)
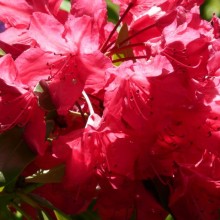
(104, 46)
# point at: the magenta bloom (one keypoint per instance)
(122, 115)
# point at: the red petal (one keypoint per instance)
(48, 32)
(46, 6)
(15, 13)
(36, 140)
(34, 65)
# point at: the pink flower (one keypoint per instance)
(18, 106)
(80, 64)
(16, 99)
(194, 193)
(17, 14)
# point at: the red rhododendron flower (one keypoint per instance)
(194, 195)
(16, 98)
(80, 62)
(17, 14)
(126, 115)
(19, 106)
(215, 23)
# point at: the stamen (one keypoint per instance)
(157, 174)
(117, 50)
(129, 38)
(104, 46)
(136, 104)
(182, 64)
(129, 58)
(102, 141)
(30, 100)
(81, 112)
(91, 111)
(66, 60)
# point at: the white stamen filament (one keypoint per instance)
(88, 102)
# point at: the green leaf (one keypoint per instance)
(43, 203)
(126, 52)
(2, 178)
(209, 7)
(44, 216)
(20, 213)
(5, 199)
(5, 214)
(113, 11)
(88, 214)
(38, 88)
(2, 52)
(46, 204)
(61, 216)
(65, 5)
(117, 57)
(2, 188)
(54, 175)
(15, 155)
(123, 35)
(169, 217)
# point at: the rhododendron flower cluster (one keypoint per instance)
(125, 115)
